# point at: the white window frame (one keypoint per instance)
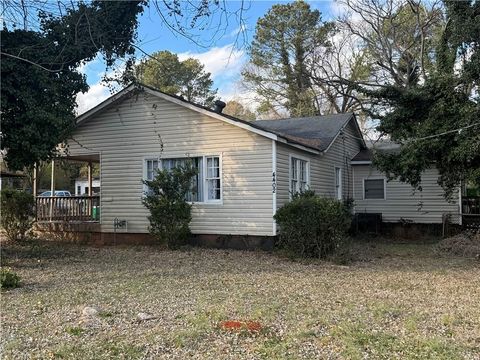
(145, 170)
(384, 187)
(206, 178)
(292, 157)
(339, 189)
(203, 183)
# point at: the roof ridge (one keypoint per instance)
(308, 117)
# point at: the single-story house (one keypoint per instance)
(247, 170)
(10, 179)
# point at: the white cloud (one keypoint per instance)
(340, 9)
(238, 30)
(89, 67)
(224, 63)
(94, 96)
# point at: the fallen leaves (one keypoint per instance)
(404, 302)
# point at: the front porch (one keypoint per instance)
(58, 206)
(68, 208)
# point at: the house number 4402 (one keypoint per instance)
(274, 182)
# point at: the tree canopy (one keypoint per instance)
(437, 120)
(235, 108)
(40, 76)
(45, 42)
(278, 70)
(187, 78)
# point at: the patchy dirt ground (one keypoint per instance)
(402, 302)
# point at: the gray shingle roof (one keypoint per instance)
(385, 146)
(315, 131)
(363, 155)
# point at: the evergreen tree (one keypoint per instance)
(188, 78)
(437, 121)
(278, 70)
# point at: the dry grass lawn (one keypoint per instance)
(400, 302)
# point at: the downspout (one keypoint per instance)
(274, 185)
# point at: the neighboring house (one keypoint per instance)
(11, 180)
(82, 186)
(247, 170)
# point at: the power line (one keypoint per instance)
(459, 130)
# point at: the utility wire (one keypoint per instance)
(459, 130)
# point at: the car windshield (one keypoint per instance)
(57, 193)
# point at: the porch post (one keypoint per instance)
(90, 182)
(34, 185)
(90, 192)
(52, 189)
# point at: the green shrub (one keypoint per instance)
(170, 213)
(9, 279)
(312, 226)
(17, 213)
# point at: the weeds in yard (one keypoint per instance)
(396, 305)
(105, 314)
(9, 279)
(75, 330)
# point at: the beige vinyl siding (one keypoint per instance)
(402, 202)
(322, 167)
(137, 128)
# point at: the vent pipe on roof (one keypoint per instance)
(219, 105)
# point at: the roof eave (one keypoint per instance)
(85, 116)
(352, 116)
(298, 145)
(88, 114)
(363, 162)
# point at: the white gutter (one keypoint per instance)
(274, 185)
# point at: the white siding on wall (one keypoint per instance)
(137, 128)
(322, 167)
(402, 202)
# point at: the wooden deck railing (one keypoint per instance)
(471, 205)
(68, 208)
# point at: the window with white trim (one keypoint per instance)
(212, 179)
(299, 175)
(150, 170)
(374, 188)
(206, 184)
(152, 167)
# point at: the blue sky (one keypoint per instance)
(224, 56)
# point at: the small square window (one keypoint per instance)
(374, 188)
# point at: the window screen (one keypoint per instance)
(374, 188)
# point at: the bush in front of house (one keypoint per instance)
(9, 279)
(312, 226)
(170, 213)
(18, 213)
